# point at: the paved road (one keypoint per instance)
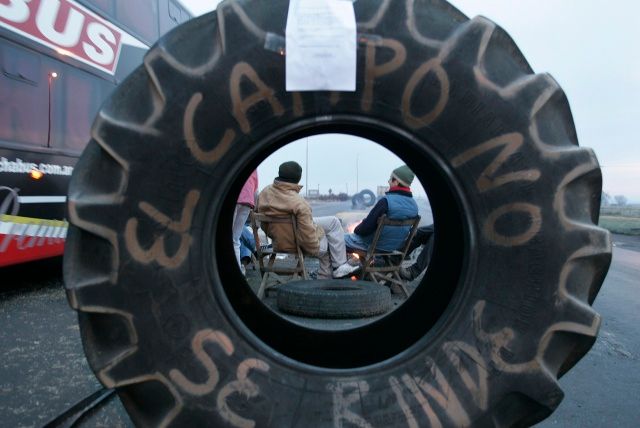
(43, 370)
(602, 389)
(331, 208)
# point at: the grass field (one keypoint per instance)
(625, 220)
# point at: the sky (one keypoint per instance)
(366, 165)
(588, 46)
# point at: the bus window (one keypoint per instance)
(174, 12)
(78, 96)
(184, 15)
(139, 16)
(166, 22)
(177, 13)
(23, 96)
(105, 6)
(20, 64)
(171, 14)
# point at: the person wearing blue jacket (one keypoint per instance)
(397, 204)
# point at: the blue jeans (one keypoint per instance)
(247, 243)
(240, 216)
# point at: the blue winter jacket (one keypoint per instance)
(400, 207)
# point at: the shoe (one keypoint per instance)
(266, 248)
(396, 289)
(344, 270)
(248, 263)
(405, 273)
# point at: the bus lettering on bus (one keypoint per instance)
(67, 27)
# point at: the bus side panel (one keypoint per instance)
(34, 184)
(24, 240)
(48, 101)
(33, 190)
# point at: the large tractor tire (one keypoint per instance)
(504, 309)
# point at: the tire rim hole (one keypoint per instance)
(360, 164)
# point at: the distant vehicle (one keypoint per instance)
(59, 59)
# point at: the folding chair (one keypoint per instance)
(391, 261)
(274, 269)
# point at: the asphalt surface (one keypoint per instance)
(602, 389)
(43, 370)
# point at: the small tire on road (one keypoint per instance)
(504, 309)
(368, 197)
(357, 200)
(334, 299)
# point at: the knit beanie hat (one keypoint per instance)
(291, 172)
(404, 175)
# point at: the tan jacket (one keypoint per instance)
(280, 199)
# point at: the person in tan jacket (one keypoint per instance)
(321, 237)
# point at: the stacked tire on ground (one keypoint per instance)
(364, 198)
(168, 320)
(344, 298)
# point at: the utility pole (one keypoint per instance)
(357, 175)
(306, 168)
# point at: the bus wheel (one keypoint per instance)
(504, 309)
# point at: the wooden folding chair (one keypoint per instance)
(389, 269)
(273, 269)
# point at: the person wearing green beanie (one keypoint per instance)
(397, 204)
(403, 175)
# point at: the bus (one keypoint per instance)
(59, 60)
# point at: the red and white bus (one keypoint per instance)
(59, 59)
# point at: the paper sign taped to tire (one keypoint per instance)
(321, 46)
